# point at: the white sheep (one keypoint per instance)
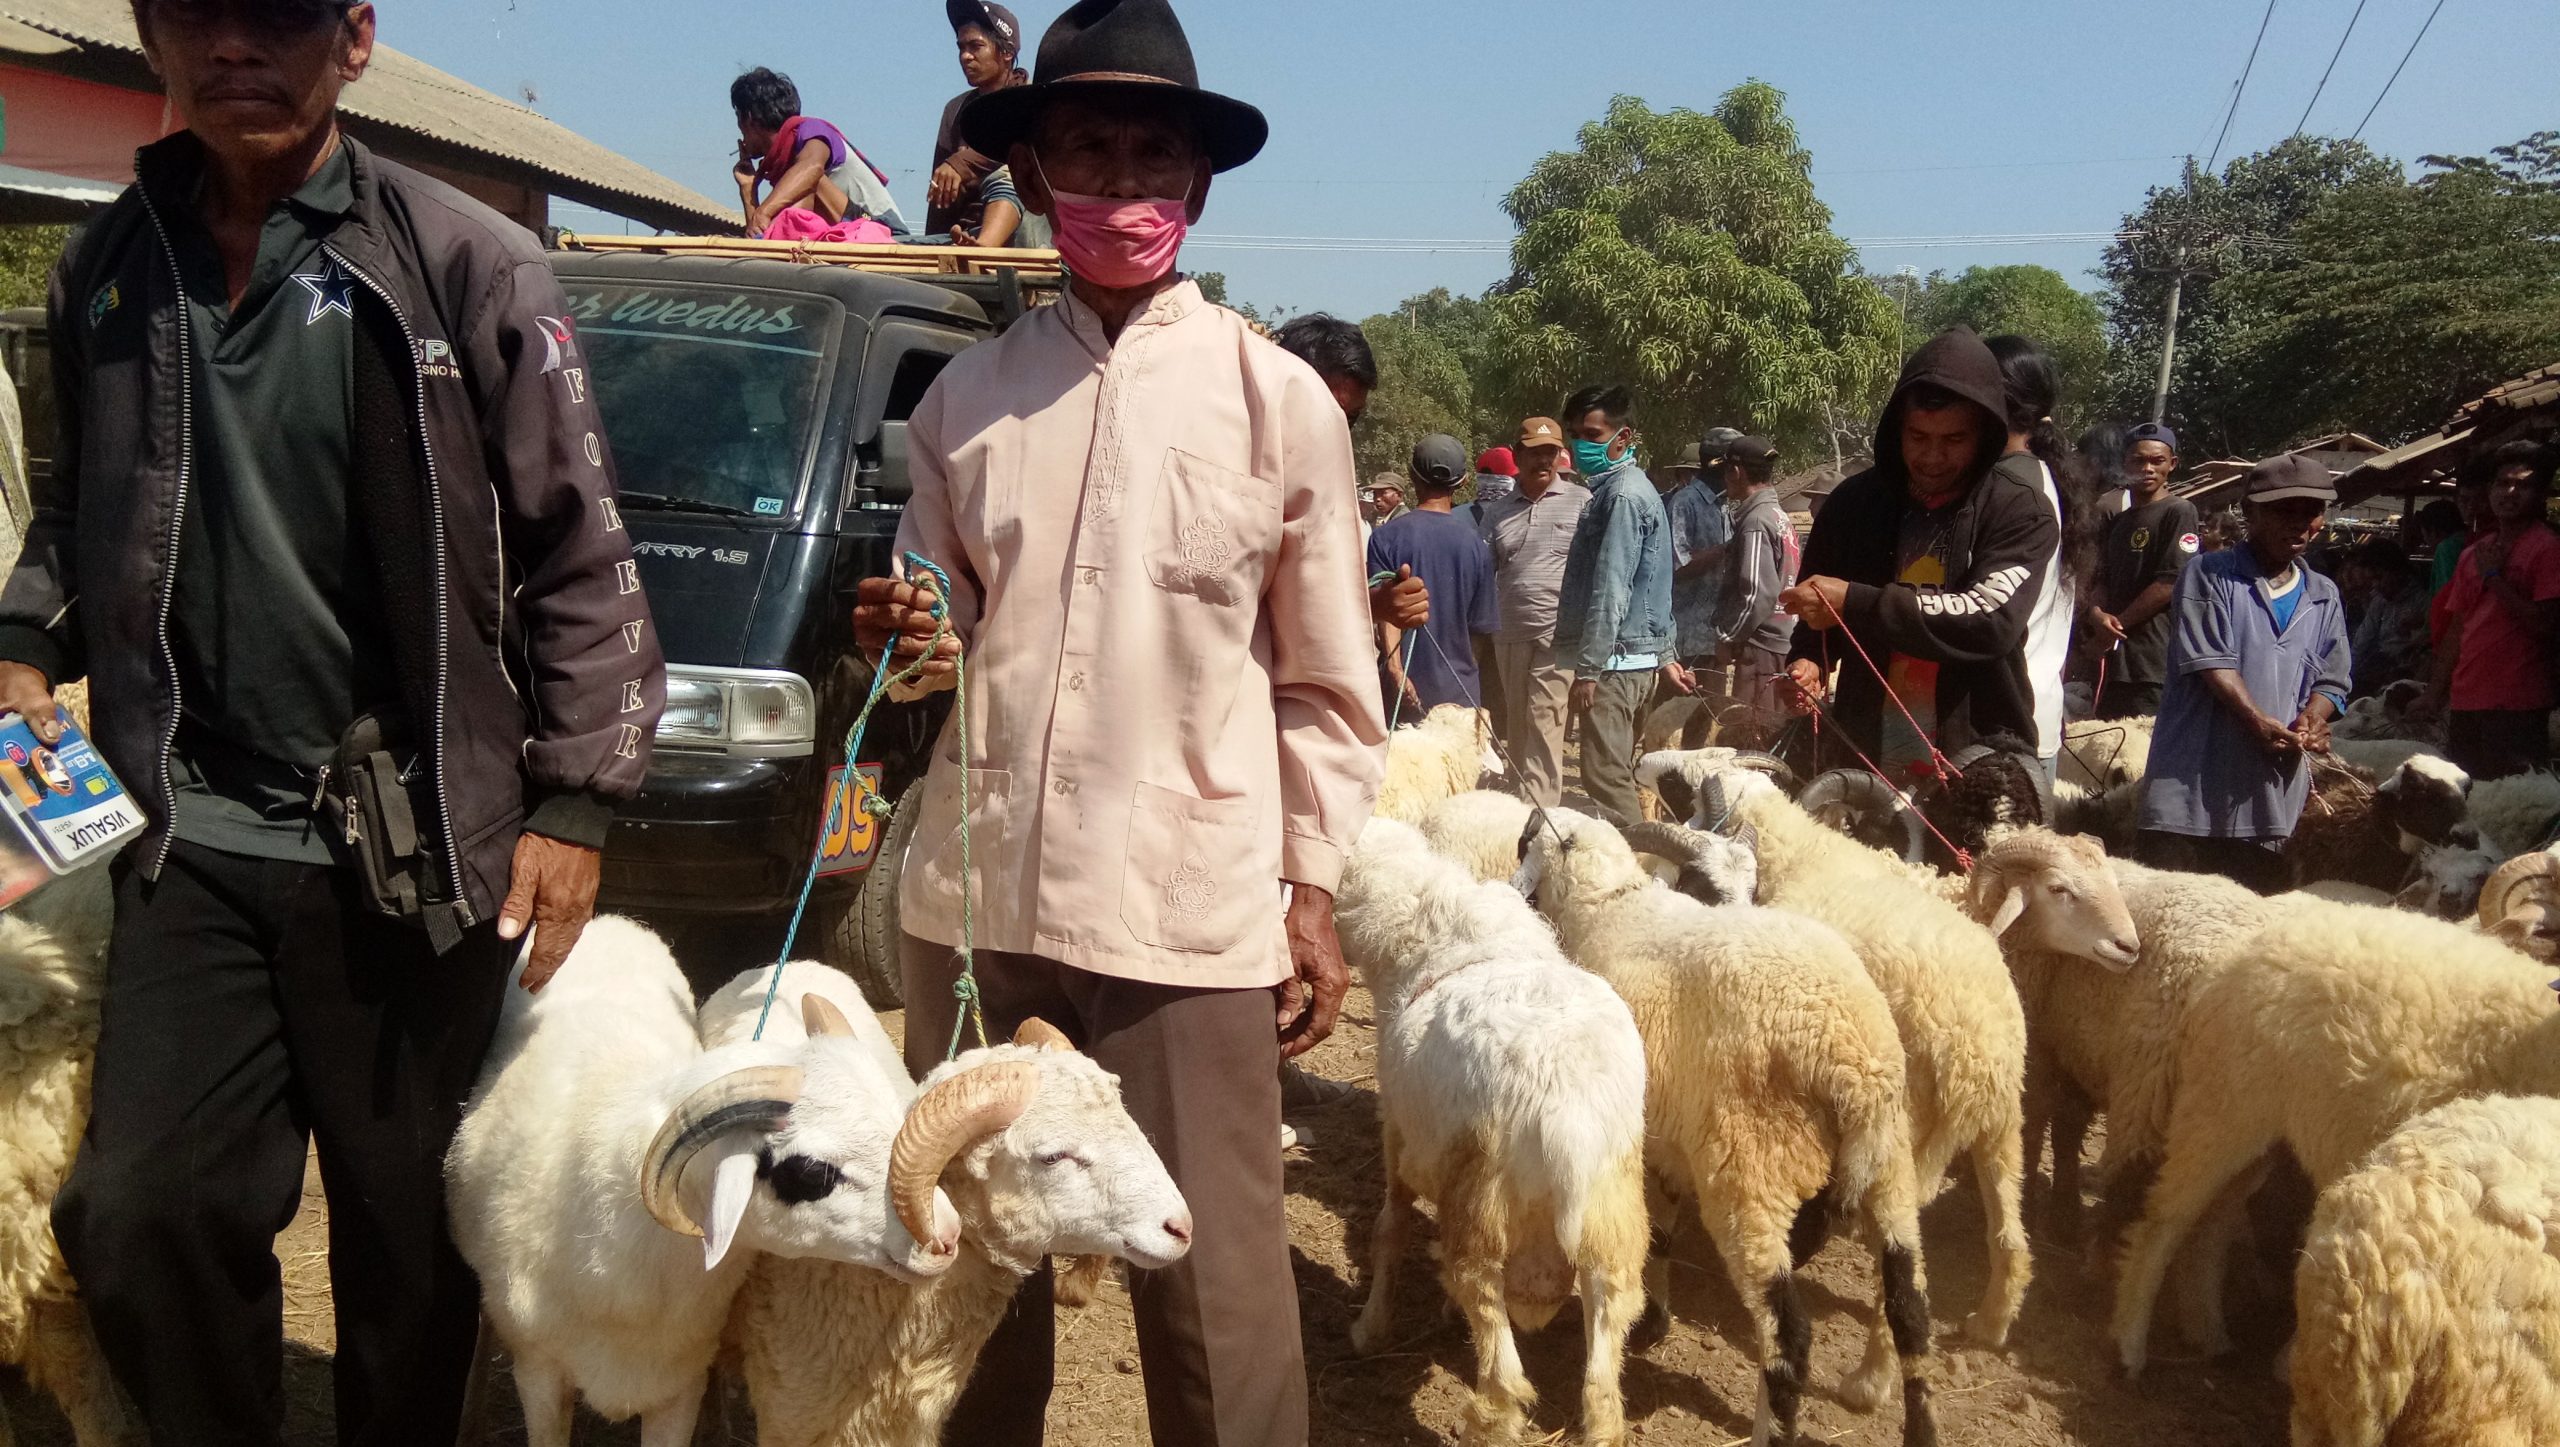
(602, 1137)
(1480, 829)
(2517, 813)
(1040, 1158)
(2100, 754)
(2324, 1032)
(53, 947)
(2379, 757)
(2428, 1299)
(1441, 756)
(1511, 1090)
(1771, 1072)
(1963, 1030)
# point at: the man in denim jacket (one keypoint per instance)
(1613, 620)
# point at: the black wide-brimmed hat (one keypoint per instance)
(1102, 46)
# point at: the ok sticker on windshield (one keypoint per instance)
(768, 507)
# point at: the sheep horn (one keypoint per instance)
(2532, 873)
(1039, 1034)
(820, 1017)
(1664, 841)
(1860, 793)
(757, 1098)
(948, 1119)
(1766, 763)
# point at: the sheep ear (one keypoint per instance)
(2012, 905)
(733, 1184)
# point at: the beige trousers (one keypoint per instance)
(1528, 697)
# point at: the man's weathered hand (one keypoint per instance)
(2280, 742)
(1817, 601)
(1585, 693)
(2108, 623)
(1681, 679)
(886, 608)
(2311, 731)
(553, 889)
(1803, 686)
(946, 185)
(1311, 1000)
(1401, 601)
(29, 694)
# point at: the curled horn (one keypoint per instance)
(1864, 800)
(1039, 1034)
(1664, 841)
(1764, 763)
(1691, 849)
(948, 1119)
(759, 1098)
(2532, 874)
(821, 1018)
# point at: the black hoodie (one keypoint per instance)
(1998, 537)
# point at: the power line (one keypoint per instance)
(2395, 72)
(2242, 88)
(2333, 65)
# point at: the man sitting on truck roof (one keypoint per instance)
(801, 163)
(1173, 716)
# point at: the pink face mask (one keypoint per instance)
(1118, 244)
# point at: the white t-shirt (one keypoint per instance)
(2049, 635)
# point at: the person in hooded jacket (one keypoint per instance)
(1931, 561)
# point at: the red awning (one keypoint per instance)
(77, 127)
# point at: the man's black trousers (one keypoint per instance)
(250, 1006)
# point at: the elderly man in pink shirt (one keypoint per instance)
(1147, 514)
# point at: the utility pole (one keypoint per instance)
(2169, 332)
(2169, 340)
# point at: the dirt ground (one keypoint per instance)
(2054, 1387)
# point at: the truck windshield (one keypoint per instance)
(709, 394)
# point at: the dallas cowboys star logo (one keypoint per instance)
(331, 291)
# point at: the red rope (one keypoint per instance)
(1962, 856)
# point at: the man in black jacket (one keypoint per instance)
(1931, 563)
(328, 455)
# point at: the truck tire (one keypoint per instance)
(862, 939)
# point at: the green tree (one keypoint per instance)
(2217, 230)
(2406, 301)
(1687, 257)
(2030, 301)
(27, 254)
(1433, 353)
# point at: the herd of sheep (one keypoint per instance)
(1585, 1027)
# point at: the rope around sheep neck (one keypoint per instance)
(883, 679)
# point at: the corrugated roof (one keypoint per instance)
(406, 94)
(2496, 415)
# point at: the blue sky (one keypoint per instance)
(1411, 118)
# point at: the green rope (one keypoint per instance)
(883, 679)
(965, 988)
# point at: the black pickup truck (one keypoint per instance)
(758, 410)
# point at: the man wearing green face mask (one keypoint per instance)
(1613, 618)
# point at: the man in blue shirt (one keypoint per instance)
(1700, 529)
(2258, 666)
(1450, 557)
(1613, 619)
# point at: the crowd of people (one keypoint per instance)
(1184, 660)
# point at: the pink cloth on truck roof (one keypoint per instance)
(799, 223)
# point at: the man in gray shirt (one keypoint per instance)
(1752, 628)
(1530, 531)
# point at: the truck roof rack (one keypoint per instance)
(1038, 270)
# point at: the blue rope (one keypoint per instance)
(883, 679)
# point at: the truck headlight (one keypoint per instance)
(755, 711)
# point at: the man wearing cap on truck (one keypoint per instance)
(2258, 666)
(1436, 664)
(322, 429)
(1173, 717)
(990, 40)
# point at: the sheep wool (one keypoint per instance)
(1511, 1088)
(1771, 1072)
(2325, 1031)
(1438, 758)
(1963, 1030)
(1480, 829)
(2429, 1293)
(53, 948)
